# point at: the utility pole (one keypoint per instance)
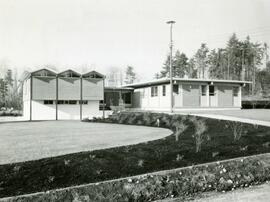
(171, 80)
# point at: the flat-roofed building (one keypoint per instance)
(188, 94)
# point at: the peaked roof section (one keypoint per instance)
(51, 72)
(93, 74)
(72, 72)
(167, 80)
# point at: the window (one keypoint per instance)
(72, 102)
(176, 89)
(203, 90)
(163, 90)
(48, 102)
(66, 102)
(154, 91)
(127, 98)
(235, 91)
(211, 90)
(83, 102)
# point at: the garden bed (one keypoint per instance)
(218, 142)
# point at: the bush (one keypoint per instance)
(199, 135)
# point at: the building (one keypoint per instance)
(48, 95)
(188, 94)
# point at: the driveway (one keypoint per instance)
(253, 116)
(24, 141)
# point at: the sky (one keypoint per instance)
(101, 34)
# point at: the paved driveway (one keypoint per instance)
(252, 116)
(23, 141)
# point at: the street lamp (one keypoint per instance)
(171, 47)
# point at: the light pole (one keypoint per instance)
(171, 80)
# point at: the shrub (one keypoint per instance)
(199, 134)
(237, 129)
(180, 127)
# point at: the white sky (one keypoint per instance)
(103, 33)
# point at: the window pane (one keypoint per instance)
(203, 90)
(212, 90)
(235, 91)
(164, 90)
(176, 89)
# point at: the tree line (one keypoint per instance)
(10, 91)
(239, 60)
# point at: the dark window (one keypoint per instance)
(66, 102)
(154, 91)
(127, 98)
(72, 102)
(203, 88)
(83, 102)
(164, 90)
(60, 102)
(211, 90)
(235, 91)
(176, 89)
(48, 102)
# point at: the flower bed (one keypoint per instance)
(183, 182)
(194, 141)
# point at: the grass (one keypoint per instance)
(166, 153)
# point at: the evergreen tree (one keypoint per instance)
(201, 61)
(130, 75)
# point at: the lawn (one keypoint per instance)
(166, 153)
(24, 141)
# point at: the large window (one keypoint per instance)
(83, 102)
(48, 102)
(211, 90)
(235, 91)
(163, 90)
(203, 90)
(154, 91)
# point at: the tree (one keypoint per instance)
(201, 61)
(130, 75)
(179, 66)
(8, 77)
(192, 71)
(3, 92)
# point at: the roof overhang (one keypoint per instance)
(167, 81)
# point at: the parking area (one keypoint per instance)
(24, 141)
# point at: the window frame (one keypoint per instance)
(154, 91)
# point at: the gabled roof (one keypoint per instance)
(63, 73)
(167, 81)
(52, 72)
(93, 74)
